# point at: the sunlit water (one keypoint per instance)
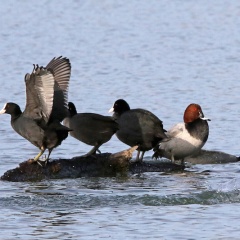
(158, 55)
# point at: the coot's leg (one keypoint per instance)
(141, 158)
(92, 151)
(40, 154)
(137, 158)
(182, 162)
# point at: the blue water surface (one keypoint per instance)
(158, 55)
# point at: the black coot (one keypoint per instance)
(137, 127)
(46, 106)
(90, 128)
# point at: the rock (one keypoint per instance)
(106, 165)
(100, 165)
(211, 157)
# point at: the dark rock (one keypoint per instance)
(106, 165)
(211, 157)
(100, 165)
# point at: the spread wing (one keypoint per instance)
(39, 94)
(61, 70)
(47, 91)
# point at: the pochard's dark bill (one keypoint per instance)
(206, 119)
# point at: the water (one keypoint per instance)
(158, 55)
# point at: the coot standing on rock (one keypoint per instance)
(137, 127)
(46, 106)
(90, 128)
(187, 138)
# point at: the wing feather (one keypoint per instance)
(44, 85)
(32, 109)
(47, 91)
(61, 69)
(39, 91)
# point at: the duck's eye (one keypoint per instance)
(200, 114)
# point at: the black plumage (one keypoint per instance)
(90, 128)
(46, 106)
(137, 127)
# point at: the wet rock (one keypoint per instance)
(100, 165)
(211, 157)
(106, 165)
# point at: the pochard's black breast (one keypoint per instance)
(198, 129)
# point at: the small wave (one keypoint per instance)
(89, 201)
